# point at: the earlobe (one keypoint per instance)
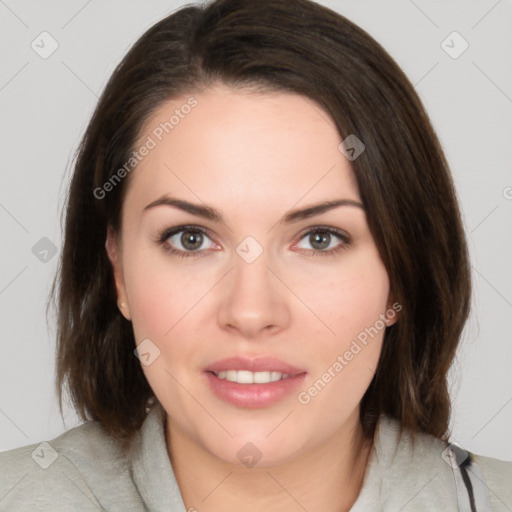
(112, 248)
(392, 312)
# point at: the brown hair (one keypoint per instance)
(404, 181)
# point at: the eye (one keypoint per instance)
(184, 241)
(325, 241)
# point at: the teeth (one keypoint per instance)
(247, 377)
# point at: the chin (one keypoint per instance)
(255, 451)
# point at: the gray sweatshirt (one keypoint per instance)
(83, 470)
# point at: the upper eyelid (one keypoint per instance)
(178, 229)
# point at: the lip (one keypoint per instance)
(253, 395)
(262, 364)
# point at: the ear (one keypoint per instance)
(393, 311)
(114, 255)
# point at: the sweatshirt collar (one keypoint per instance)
(156, 483)
(151, 466)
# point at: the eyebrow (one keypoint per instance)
(209, 213)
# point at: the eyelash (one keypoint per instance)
(166, 234)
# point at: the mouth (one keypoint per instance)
(253, 383)
(248, 377)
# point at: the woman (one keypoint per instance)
(263, 282)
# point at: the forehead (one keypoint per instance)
(235, 148)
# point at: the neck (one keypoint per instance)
(328, 477)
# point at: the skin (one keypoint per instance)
(253, 157)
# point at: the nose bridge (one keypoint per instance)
(254, 300)
(252, 275)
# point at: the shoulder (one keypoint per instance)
(421, 471)
(78, 467)
(498, 478)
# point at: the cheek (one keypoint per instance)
(344, 361)
(164, 305)
(346, 299)
(161, 292)
(350, 304)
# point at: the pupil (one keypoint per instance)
(191, 239)
(322, 240)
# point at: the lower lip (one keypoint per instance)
(253, 395)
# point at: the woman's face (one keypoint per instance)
(255, 282)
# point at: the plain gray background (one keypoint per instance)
(46, 104)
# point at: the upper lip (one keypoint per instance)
(261, 364)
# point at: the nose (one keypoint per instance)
(254, 302)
